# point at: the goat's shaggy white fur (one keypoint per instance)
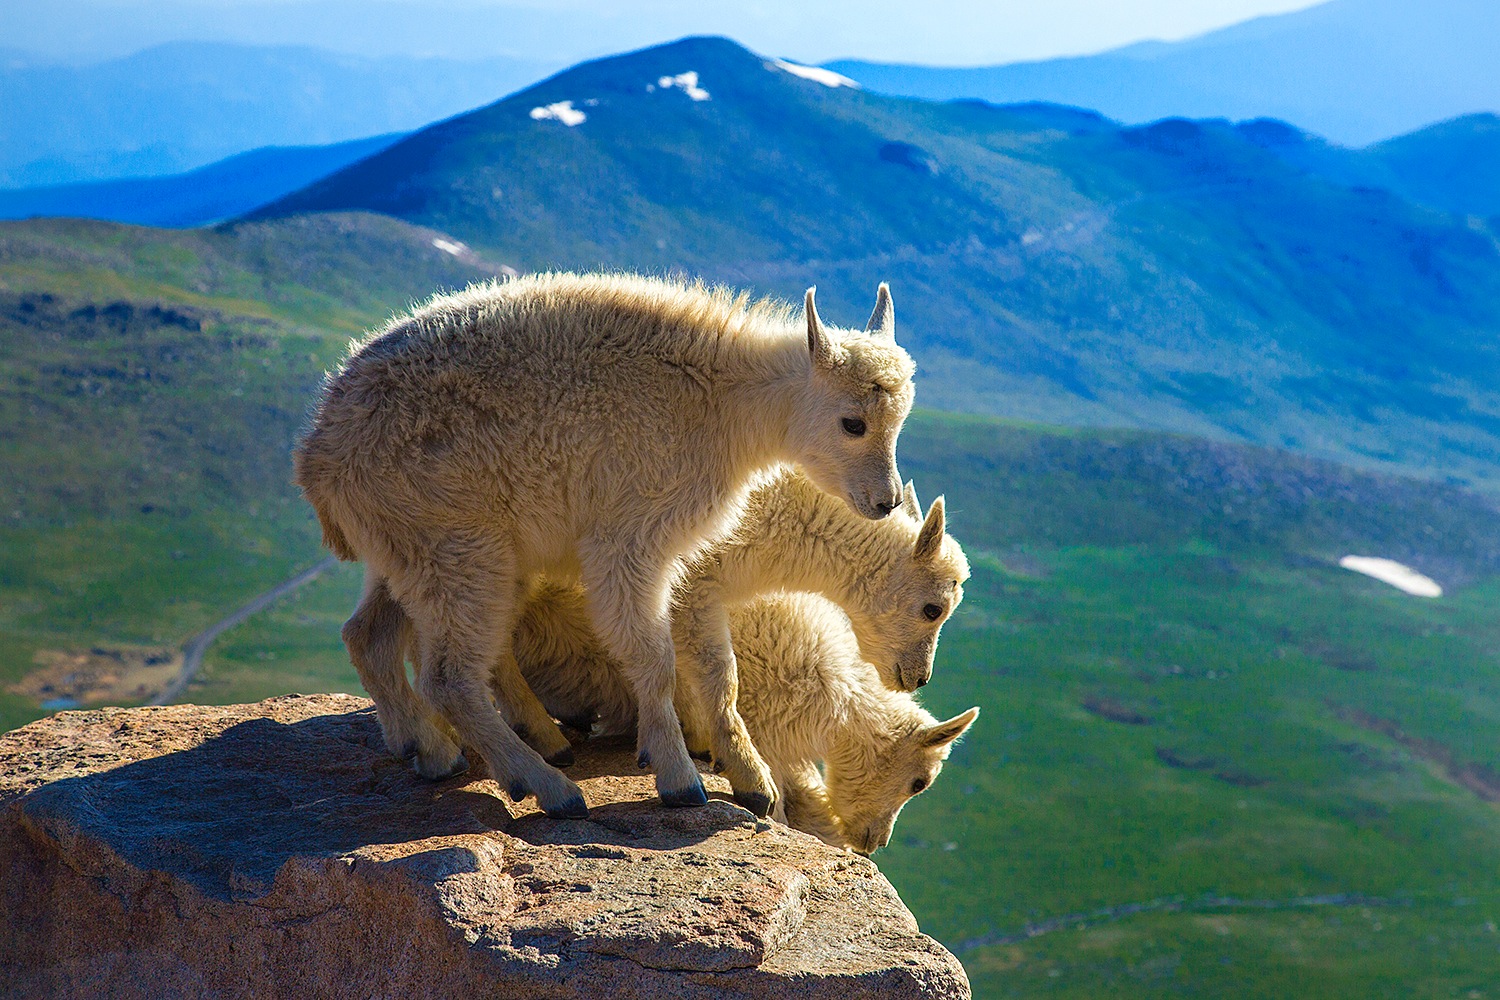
(592, 428)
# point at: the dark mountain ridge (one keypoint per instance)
(1049, 264)
(1452, 166)
(209, 194)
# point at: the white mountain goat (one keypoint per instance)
(808, 696)
(898, 580)
(592, 428)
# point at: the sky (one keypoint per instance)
(936, 32)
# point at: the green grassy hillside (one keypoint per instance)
(151, 385)
(1211, 763)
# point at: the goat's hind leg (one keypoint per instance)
(526, 713)
(463, 604)
(378, 636)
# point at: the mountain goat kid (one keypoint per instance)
(898, 580)
(596, 428)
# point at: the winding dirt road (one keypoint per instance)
(194, 648)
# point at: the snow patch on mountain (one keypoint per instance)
(1389, 571)
(826, 77)
(686, 82)
(562, 111)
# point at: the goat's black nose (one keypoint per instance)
(923, 681)
(885, 508)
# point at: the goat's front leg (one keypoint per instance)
(701, 629)
(629, 605)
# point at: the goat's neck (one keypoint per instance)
(870, 720)
(761, 399)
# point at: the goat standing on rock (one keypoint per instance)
(592, 428)
(897, 580)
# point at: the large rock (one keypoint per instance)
(277, 850)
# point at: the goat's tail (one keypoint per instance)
(333, 538)
(304, 476)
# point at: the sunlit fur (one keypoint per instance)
(589, 427)
(807, 697)
(883, 574)
(792, 536)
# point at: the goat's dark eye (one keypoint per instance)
(854, 427)
(932, 612)
(918, 785)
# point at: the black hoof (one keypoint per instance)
(693, 795)
(704, 755)
(563, 758)
(459, 766)
(757, 803)
(643, 759)
(582, 723)
(574, 808)
(518, 791)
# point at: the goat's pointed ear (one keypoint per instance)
(909, 502)
(945, 733)
(930, 538)
(817, 337)
(883, 319)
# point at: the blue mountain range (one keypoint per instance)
(181, 106)
(1354, 71)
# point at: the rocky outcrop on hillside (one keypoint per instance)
(277, 850)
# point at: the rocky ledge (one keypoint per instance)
(277, 850)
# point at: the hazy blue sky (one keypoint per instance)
(931, 31)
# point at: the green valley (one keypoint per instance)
(151, 385)
(1211, 763)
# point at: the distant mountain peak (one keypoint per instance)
(1271, 133)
